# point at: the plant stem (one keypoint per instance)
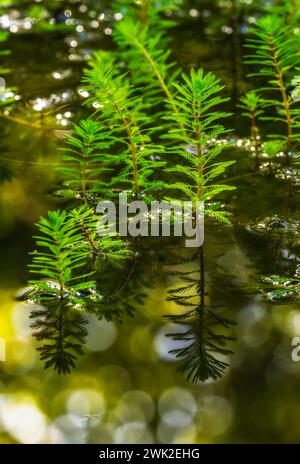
(82, 172)
(144, 13)
(201, 306)
(61, 298)
(133, 147)
(199, 150)
(254, 133)
(87, 236)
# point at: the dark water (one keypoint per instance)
(126, 388)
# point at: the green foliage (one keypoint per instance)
(156, 73)
(118, 107)
(61, 238)
(101, 245)
(84, 161)
(275, 54)
(198, 140)
(58, 317)
(131, 142)
(252, 105)
(204, 350)
(68, 254)
(288, 9)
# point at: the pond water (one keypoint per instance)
(127, 388)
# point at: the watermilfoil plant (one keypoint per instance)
(155, 134)
(199, 140)
(58, 291)
(157, 72)
(119, 108)
(275, 55)
(252, 105)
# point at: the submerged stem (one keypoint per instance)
(201, 306)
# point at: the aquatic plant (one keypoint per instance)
(58, 299)
(156, 73)
(84, 161)
(205, 351)
(253, 108)
(121, 111)
(198, 141)
(128, 143)
(103, 245)
(69, 252)
(288, 9)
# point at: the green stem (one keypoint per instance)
(61, 298)
(199, 148)
(133, 147)
(285, 100)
